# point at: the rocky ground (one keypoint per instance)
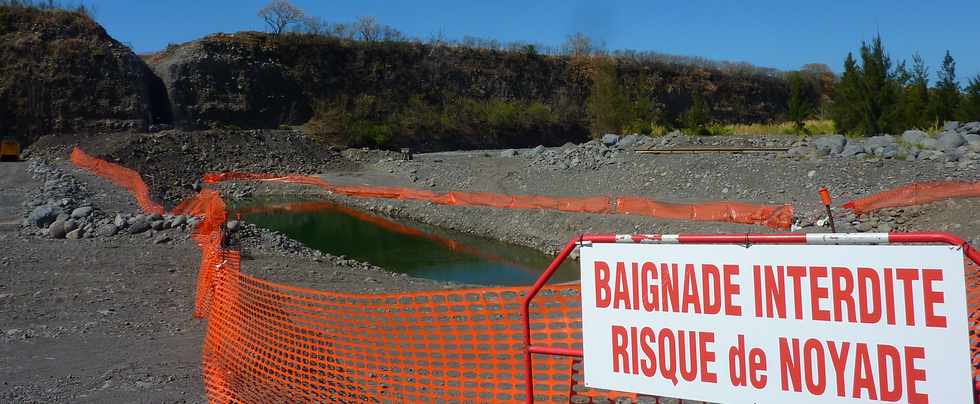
(88, 284)
(96, 299)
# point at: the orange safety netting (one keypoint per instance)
(120, 176)
(270, 342)
(915, 194)
(776, 216)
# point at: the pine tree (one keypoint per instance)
(879, 97)
(970, 104)
(947, 93)
(847, 97)
(866, 101)
(915, 99)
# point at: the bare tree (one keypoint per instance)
(368, 28)
(279, 14)
(578, 44)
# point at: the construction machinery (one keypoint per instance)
(9, 149)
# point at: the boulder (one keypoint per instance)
(970, 128)
(179, 221)
(508, 153)
(831, 144)
(876, 142)
(139, 227)
(887, 151)
(537, 151)
(108, 230)
(43, 216)
(914, 137)
(629, 141)
(156, 225)
(610, 139)
(929, 144)
(70, 225)
(953, 154)
(951, 125)
(81, 212)
(950, 140)
(852, 149)
(57, 230)
(971, 139)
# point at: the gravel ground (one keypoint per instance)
(109, 318)
(758, 178)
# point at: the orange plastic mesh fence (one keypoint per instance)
(776, 216)
(120, 176)
(915, 194)
(269, 342)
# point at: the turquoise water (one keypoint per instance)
(411, 248)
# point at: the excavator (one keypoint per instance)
(9, 149)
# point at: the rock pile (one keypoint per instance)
(589, 155)
(957, 143)
(60, 209)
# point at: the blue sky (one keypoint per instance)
(780, 34)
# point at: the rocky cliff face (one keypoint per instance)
(62, 73)
(254, 80)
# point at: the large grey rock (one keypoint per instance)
(57, 230)
(156, 225)
(953, 154)
(108, 230)
(852, 149)
(610, 139)
(536, 151)
(875, 142)
(951, 125)
(43, 216)
(887, 151)
(950, 140)
(971, 138)
(179, 221)
(629, 141)
(929, 144)
(831, 144)
(119, 221)
(136, 218)
(970, 128)
(139, 227)
(914, 137)
(508, 153)
(81, 212)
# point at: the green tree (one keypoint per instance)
(867, 98)
(915, 97)
(800, 95)
(970, 104)
(947, 92)
(847, 97)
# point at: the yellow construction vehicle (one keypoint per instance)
(9, 149)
